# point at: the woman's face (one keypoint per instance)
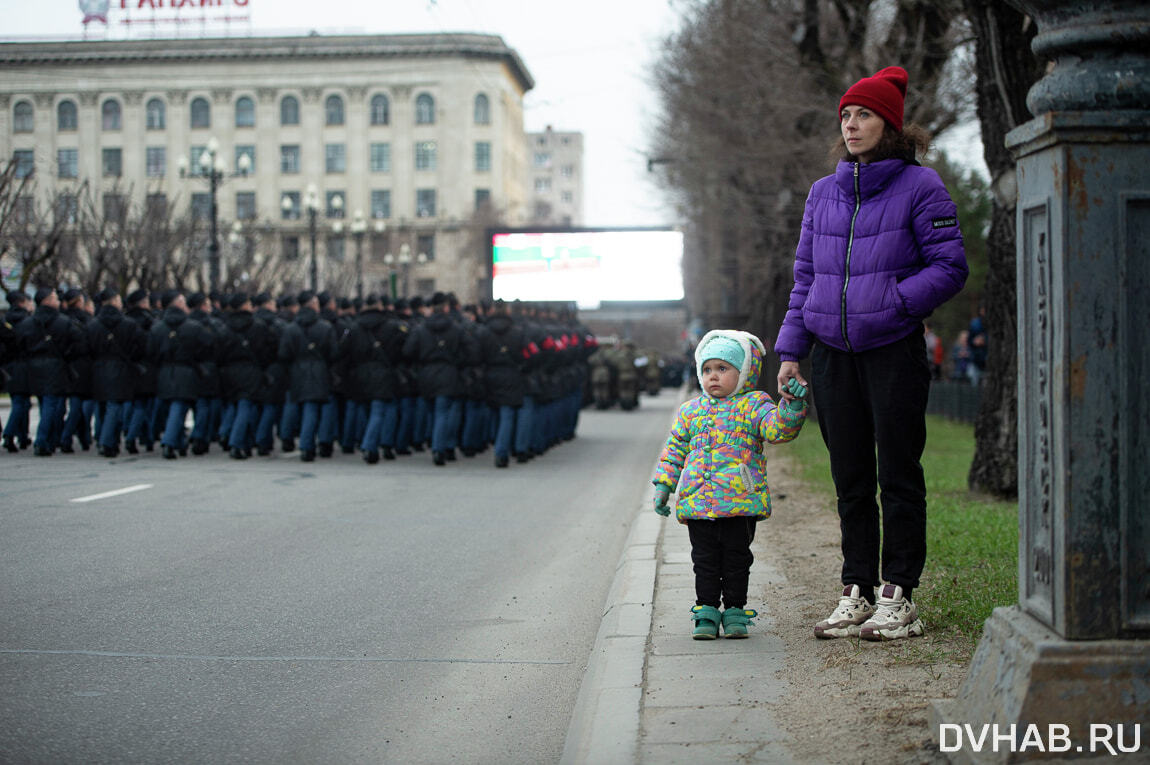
(862, 130)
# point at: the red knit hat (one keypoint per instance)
(884, 93)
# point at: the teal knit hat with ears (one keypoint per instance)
(726, 349)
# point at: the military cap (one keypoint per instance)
(438, 299)
(305, 296)
(71, 294)
(370, 300)
(196, 299)
(287, 301)
(261, 298)
(42, 294)
(238, 300)
(136, 296)
(16, 296)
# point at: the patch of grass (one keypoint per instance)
(972, 540)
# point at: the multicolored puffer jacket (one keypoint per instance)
(715, 451)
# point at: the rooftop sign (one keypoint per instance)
(172, 15)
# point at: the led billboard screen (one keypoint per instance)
(588, 266)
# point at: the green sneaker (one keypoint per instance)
(706, 622)
(735, 621)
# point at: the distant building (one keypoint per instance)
(416, 131)
(555, 181)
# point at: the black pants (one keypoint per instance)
(877, 398)
(721, 552)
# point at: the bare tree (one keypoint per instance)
(36, 238)
(1006, 70)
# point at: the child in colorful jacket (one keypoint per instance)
(715, 456)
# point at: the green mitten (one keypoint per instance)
(799, 391)
(661, 494)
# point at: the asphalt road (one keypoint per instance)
(276, 611)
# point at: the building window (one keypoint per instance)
(156, 205)
(482, 198)
(201, 205)
(291, 248)
(67, 209)
(482, 156)
(425, 155)
(113, 161)
(567, 197)
(155, 159)
(110, 115)
(250, 152)
(245, 205)
(289, 159)
(245, 112)
(289, 110)
(542, 159)
(380, 110)
(333, 110)
(482, 110)
(23, 210)
(23, 119)
(196, 156)
(381, 203)
(542, 184)
(335, 202)
(66, 118)
(293, 209)
(25, 162)
(335, 248)
(565, 140)
(567, 171)
(424, 109)
(425, 244)
(380, 158)
(201, 113)
(425, 203)
(540, 141)
(67, 163)
(335, 158)
(424, 286)
(154, 115)
(114, 207)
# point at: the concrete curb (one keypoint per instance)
(604, 727)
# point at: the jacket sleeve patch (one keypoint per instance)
(944, 222)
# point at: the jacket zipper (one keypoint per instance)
(847, 271)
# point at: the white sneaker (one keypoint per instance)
(847, 619)
(894, 618)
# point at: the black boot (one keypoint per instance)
(501, 462)
(10, 444)
(388, 454)
(288, 445)
(371, 457)
(130, 446)
(326, 450)
(438, 458)
(238, 454)
(169, 453)
(307, 455)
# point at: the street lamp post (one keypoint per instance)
(312, 201)
(358, 227)
(404, 263)
(214, 168)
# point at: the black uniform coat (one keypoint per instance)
(503, 351)
(179, 347)
(308, 347)
(146, 381)
(436, 346)
(274, 390)
(210, 386)
(245, 350)
(80, 365)
(116, 344)
(48, 341)
(15, 361)
(374, 350)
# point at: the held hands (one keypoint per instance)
(799, 393)
(661, 495)
(788, 373)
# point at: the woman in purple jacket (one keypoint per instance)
(880, 248)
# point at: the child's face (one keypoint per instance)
(719, 378)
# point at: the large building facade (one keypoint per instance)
(555, 181)
(415, 132)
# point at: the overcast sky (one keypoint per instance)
(589, 58)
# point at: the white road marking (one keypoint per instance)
(114, 492)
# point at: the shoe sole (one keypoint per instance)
(736, 635)
(914, 629)
(704, 636)
(830, 633)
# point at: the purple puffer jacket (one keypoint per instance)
(880, 249)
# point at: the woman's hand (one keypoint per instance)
(787, 371)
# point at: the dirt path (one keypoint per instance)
(849, 700)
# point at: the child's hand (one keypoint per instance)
(799, 391)
(661, 495)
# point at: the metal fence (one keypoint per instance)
(954, 400)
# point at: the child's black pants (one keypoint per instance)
(721, 552)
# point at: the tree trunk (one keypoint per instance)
(1006, 70)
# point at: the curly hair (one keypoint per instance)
(908, 144)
